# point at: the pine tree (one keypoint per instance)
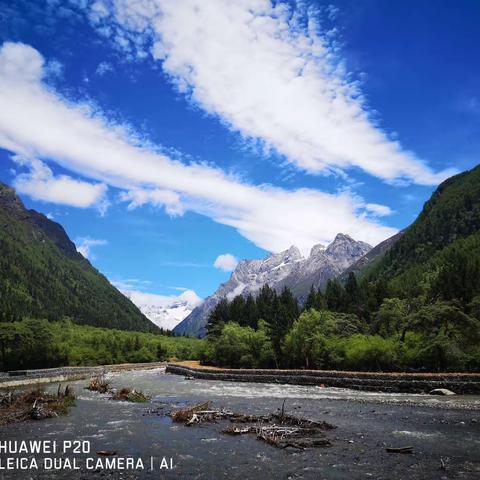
(334, 295)
(218, 317)
(237, 311)
(284, 312)
(265, 302)
(311, 299)
(290, 304)
(352, 297)
(251, 312)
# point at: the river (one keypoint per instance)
(441, 430)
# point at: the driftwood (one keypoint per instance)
(129, 395)
(282, 436)
(399, 449)
(278, 429)
(106, 453)
(34, 405)
(101, 384)
(186, 414)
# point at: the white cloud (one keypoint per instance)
(54, 69)
(85, 244)
(226, 262)
(103, 68)
(36, 122)
(126, 284)
(378, 210)
(268, 72)
(41, 184)
(158, 198)
(19, 61)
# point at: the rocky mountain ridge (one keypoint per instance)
(285, 269)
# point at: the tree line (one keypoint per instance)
(32, 343)
(355, 324)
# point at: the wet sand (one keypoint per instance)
(438, 428)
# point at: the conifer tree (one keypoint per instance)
(334, 295)
(251, 312)
(218, 317)
(311, 299)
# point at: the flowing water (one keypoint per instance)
(444, 431)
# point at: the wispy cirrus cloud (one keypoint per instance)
(157, 197)
(378, 210)
(85, 245)
(103, 68)
(37, 122)
(269, 71)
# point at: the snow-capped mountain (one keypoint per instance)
(288, 268)
(165, 311)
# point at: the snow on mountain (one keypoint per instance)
(165, 311)
(286, 269)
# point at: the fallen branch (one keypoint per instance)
(99, 384)
(34, 405)
(279, 429)
(399, 449)
(186, 414)
(106, 453)
(129, 395)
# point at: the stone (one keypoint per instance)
(441, 391)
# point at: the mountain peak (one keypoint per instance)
(165, 311)
(344, 248)
(285, 269)
(317, 249)
(9, 199)
(10, 202)
(343, 237)
(285, 257)
(292, 254)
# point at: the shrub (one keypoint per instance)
(374, 353)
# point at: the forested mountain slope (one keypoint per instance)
(439, 253)
(43, 276)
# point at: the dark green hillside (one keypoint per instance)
(440, 245)
(371, 258)
(43, 276)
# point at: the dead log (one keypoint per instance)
(408, 449)
(106, 453)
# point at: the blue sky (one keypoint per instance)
(164, 135)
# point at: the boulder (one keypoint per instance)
(441, 391)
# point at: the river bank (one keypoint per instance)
(20, 378)
(460, 383)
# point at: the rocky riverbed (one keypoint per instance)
(444, 433)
